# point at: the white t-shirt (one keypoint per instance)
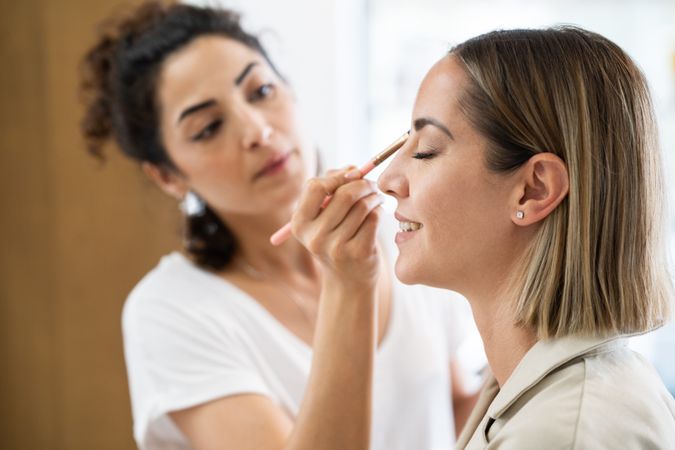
(191, 337)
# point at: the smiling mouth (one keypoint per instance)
(407, 227)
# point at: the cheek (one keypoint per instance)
(284, 112)
(444, 197)
(441, 200)
(287, 120)
(212, 172)
(462, 214)
(449, 216)
(208, 163)
(469, 229)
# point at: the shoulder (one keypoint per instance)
(606, 400)
(173, 276)
(546, 415)
(642, 411)
(178, 294)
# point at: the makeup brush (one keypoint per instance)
(280, 236)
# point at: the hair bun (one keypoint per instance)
(98, 70)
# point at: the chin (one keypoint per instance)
(408, 272)
(414, 272)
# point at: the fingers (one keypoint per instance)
(348, 218)
(316, 189)
(345, 198)
(363, 243)
(342, 218)
(341, 233)
(353, 239)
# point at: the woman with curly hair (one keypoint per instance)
(234, 343)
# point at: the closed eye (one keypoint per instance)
(208, 131)
(426, 151)
(423, 155)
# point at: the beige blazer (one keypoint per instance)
(574, 393)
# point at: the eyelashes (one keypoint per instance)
(207, 132)
(427, 151)
(425, 155)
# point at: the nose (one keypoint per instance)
(393, 180)
(256, 131)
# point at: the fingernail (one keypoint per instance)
(353, 174)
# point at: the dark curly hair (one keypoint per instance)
(118, 86)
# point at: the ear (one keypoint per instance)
(169, 181)
(543, 186)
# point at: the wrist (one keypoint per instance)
(349, 287)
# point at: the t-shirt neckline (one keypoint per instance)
(248, 300)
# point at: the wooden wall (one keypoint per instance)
(76, 236)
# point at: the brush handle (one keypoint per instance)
(283, 233)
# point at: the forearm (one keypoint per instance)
(336, 410)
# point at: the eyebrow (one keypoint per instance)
(424, 121)
(242, 75)
(208, 103)
(193, 109)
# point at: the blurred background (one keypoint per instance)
(78, 234)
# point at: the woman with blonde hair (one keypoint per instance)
(532, 185)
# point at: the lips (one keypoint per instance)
(407, 229)
(273, 164)
(406, 225)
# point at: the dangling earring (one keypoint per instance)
(192, 205)
(520, 214)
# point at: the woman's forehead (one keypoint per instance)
(209, 54)
(442, 86)
(208, 66)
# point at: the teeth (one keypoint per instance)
(409, 226)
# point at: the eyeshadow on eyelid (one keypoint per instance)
(433, 144)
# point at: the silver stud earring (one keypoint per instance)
(192, 205)
(520, 214)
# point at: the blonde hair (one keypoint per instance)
(598, 264)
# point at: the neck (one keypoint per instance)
(505, 343)
(252, 233)
(493, 305)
